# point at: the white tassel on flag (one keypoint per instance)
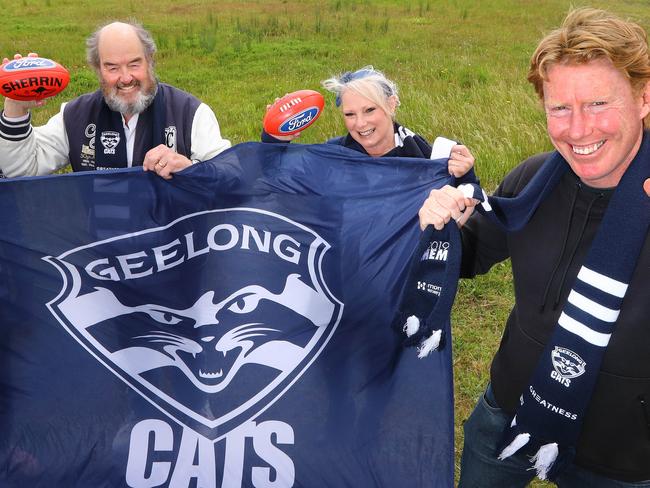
(411, 326)
(520, 441)
(544, 459)
(429, 344)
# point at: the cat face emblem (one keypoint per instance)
(211, 318)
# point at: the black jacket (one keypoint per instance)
(546, 256)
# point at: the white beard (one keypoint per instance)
(139, 105)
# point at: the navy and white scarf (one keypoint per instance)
(553, 405)
(432, 280)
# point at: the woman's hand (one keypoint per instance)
(461, 160)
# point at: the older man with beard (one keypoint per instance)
(132, 120)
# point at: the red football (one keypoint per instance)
(293, 112)
(32, 78)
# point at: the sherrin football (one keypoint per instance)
(293, 112)
(32, 78)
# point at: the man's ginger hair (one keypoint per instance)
(589, 34)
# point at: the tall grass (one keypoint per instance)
(460, 65)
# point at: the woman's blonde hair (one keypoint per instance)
(367, 82)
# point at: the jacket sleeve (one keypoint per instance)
(206, 135)
(30, 151)
(485, 244)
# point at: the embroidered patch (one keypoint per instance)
(109, 139)
(170, 137)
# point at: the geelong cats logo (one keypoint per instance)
(211, 318)
(110, 139)
(566, 365)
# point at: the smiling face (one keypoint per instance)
(594, 119)
(125, 74)
(368, 123)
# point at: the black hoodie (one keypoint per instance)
(546, 256)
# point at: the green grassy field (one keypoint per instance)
(460, 65)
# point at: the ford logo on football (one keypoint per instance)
(28, 63)
(300, 121)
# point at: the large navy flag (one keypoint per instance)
(227, 328)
